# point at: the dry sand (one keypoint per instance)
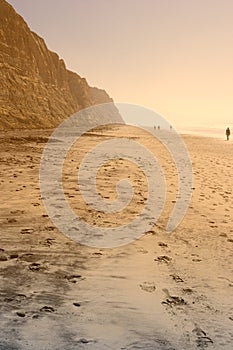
(163, 291)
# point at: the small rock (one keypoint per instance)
(84, 341)
(21, 313)
(77, 304)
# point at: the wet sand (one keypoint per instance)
(163, 291)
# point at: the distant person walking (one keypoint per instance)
(228, 132)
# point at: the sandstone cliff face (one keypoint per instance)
(36, 89)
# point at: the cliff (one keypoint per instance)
(37, 91)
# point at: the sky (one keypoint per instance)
(172, 56)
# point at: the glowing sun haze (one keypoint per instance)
(174, 56)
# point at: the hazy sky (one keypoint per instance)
(174, 56)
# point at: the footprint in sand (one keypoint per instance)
(173, 300)
(48, 242)
(203, 341)
(14, 212)
(161, 244)
(196, 260)
(37, 267)
(187, 291)
(27, 257)
(27, 231)
(15, 298)
(85, 341)
(142, 250)
(12, 256)
(163, 259)
(49, 228)
(11, 221)
(74, 278)
(3, 257)
(177, 278)
(223, 235)
(36, 204)
(49, 309)
(148, 287)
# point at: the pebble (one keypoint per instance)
(77, 304)
(21, 313)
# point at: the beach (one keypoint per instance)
(162, 291)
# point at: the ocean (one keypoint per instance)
(216, 132)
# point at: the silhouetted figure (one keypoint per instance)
(158, 127)
(228, 132)
(155, 127)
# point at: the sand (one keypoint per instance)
(162, 291)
